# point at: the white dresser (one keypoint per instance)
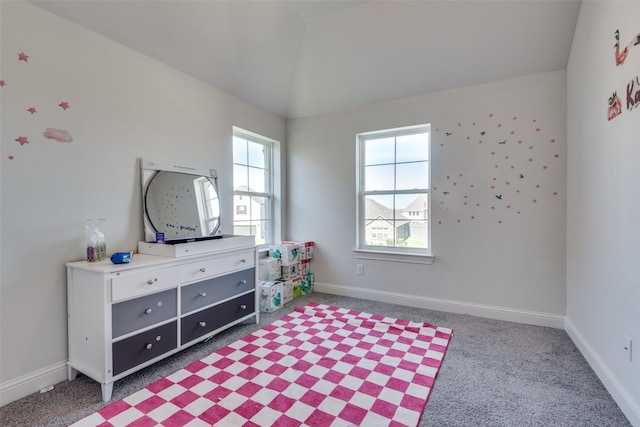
(124, 317)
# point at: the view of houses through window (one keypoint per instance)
(252, 186)
(393, 189)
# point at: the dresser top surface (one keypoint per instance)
(143, 260)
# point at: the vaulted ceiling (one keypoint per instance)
(304, 58)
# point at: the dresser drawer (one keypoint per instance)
(205, 321)
(207, 292)
(129, 285)
(140, 348)
(128, 316)
(217, 266)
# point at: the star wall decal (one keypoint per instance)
(23, 57)
(2, 83)
(32, 110)
(22, 140)
(64, 105)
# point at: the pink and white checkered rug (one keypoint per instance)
(317, 366)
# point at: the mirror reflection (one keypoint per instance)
(183, 206)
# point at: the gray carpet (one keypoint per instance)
(495, 373)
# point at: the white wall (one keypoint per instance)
(497, 258)
(123, 106)
(603, 289)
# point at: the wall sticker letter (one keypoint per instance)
(633, 94)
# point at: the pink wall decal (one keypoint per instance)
(621, 56)
(22, 140)
(615, 107)
(54, 134)
(57, 135)
(633, 87)
(512, 162)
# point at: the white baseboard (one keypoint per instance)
(623, 398)
(480, 310)
(32, 382)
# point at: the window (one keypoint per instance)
(393, 191)
(206, 199)
(253, 186)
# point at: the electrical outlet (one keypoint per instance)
(628, 347)
(360, 269)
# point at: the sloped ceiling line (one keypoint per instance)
(297, 59)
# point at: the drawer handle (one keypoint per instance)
(243, 306)
(202, 324)
(150, 281)
(244, 282)
(203, 294)
(149, 346)
(148, 311)
(242, 261)
(202, 270)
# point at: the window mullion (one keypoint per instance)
(252, 194)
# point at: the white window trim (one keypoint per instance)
(412, 256)
(276, 182)
(406, 256)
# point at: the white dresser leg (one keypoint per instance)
(107, 390)
(71, 373)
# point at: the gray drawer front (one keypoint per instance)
(210, 291)
(205, 321)
(129, 316)
(133, 351)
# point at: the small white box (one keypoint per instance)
(269, 269)
(306, 284)
(305, 267)
(297, 287)
(270, 296)
(288, 254)
(306, 248)
(290, 271)
(287, 291)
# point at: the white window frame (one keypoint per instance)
(386, 253)
(274, 190)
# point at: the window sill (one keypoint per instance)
(411, 258)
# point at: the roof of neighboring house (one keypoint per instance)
(377, 211)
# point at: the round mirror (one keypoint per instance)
(183, 206)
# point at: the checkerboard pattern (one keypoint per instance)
(318, 366)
